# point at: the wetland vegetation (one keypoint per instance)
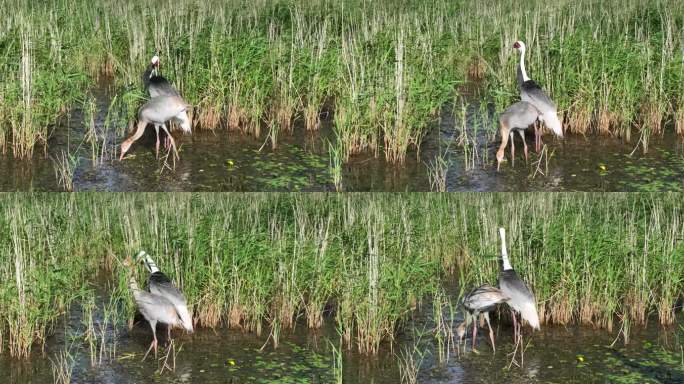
(380, 73)
(361, 266)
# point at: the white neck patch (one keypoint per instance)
(504, 253)
(522, 63)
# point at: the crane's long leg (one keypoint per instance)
(173, 142)
(153, 344)
(537, 137)
(512, 149)
(515, 327)
(474, 331)
(491, 332)
(504, 141)
(522, 136)
(156, 146)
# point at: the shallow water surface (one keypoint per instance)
(230, 161)
(553, 355)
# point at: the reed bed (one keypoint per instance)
(382, 68)
(262, 263)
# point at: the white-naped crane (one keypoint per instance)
(155, 308)
(158, 111)
(532, 93)
(521, 299)
(160, 284)
(516, 118)
(481, 300)
(157, 85)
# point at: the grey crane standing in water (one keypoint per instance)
(160, 284)
(531, 92)
(158, 86)
(481, 300)
(158, 112)
(522, 299)
(155, 309)
(515, 118)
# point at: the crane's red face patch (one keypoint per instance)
(516, 45)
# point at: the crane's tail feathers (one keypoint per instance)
(553, 123)
(184, 122)
(529, 313)
(185, 317)
(149, 263)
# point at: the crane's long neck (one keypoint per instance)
(522, 65)
(133, 284)
(504, 253)
(147, 75)
(142, 124)
(149, 263)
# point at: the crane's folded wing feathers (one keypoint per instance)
(534, 94)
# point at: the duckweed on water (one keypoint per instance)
(656, 365)
(652, 177)
(291, 168)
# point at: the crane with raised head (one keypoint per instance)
(521, 299)
(532, 93)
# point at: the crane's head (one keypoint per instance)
(125, 146)
(155, 66)
(140, 256)
(460, 330)
(519, 45)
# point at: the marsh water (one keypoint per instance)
(556, 354)
(229, 161)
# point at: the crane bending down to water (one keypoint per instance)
(155, 309)
(521, 298)
(531, 92)
(157, 85)
(160, 284)
(158, 112)
(481, 300)
(515, 118)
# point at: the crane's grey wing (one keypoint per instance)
(484, 297)
(535, 95)
(160, 278)
(156, 307)
(521, 297)
(159, 86)
(149, 299)
(161, 285)
(512, 285)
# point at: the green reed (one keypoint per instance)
(263, 263)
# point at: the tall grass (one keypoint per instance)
(261, 263)
(383, 68)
